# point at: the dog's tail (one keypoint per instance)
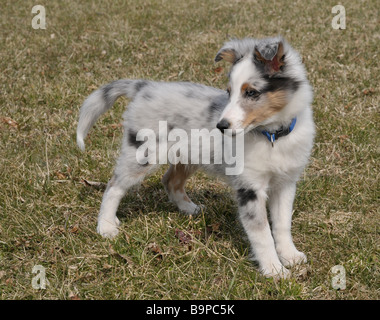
(100, 101)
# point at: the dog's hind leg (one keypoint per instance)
(107, 221)
(116, 188)
(174, 181)
(127, 174)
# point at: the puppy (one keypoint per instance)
(268, 103)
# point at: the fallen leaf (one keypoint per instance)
(347, 106)
(74, 229)
(73, 296)
(186, 237)
(368, 91)
(218, 70)
(183, 237)
(60, 175)
(116, 125)
(215, 227)
(153, 247)
(10, 122)
(95, 184)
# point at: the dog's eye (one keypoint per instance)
(252, 93)
(228, 91)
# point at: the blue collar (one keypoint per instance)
(273, 136)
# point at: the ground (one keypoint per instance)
(48, 212)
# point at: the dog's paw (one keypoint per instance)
(108, 229)
(292, 257)
(275, 272)
(190, 208)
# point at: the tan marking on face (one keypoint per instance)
(244, 87)
(247, 87)
(275, 102)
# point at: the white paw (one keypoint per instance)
(292, 257)
(190, 208)
(276, 272)
(107, 228)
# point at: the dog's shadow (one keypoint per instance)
(219, 210)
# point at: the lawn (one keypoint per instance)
(48, 212)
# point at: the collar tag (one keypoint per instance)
(273, 136)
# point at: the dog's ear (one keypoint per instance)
(228, 54)
(270, 55)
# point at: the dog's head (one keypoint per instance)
(264, 77)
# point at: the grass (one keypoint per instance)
(48, 215)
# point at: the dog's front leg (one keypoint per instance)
(281, 209)
(253, 216)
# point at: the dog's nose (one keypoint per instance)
(223, 124)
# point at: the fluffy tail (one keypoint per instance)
(100, 101)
